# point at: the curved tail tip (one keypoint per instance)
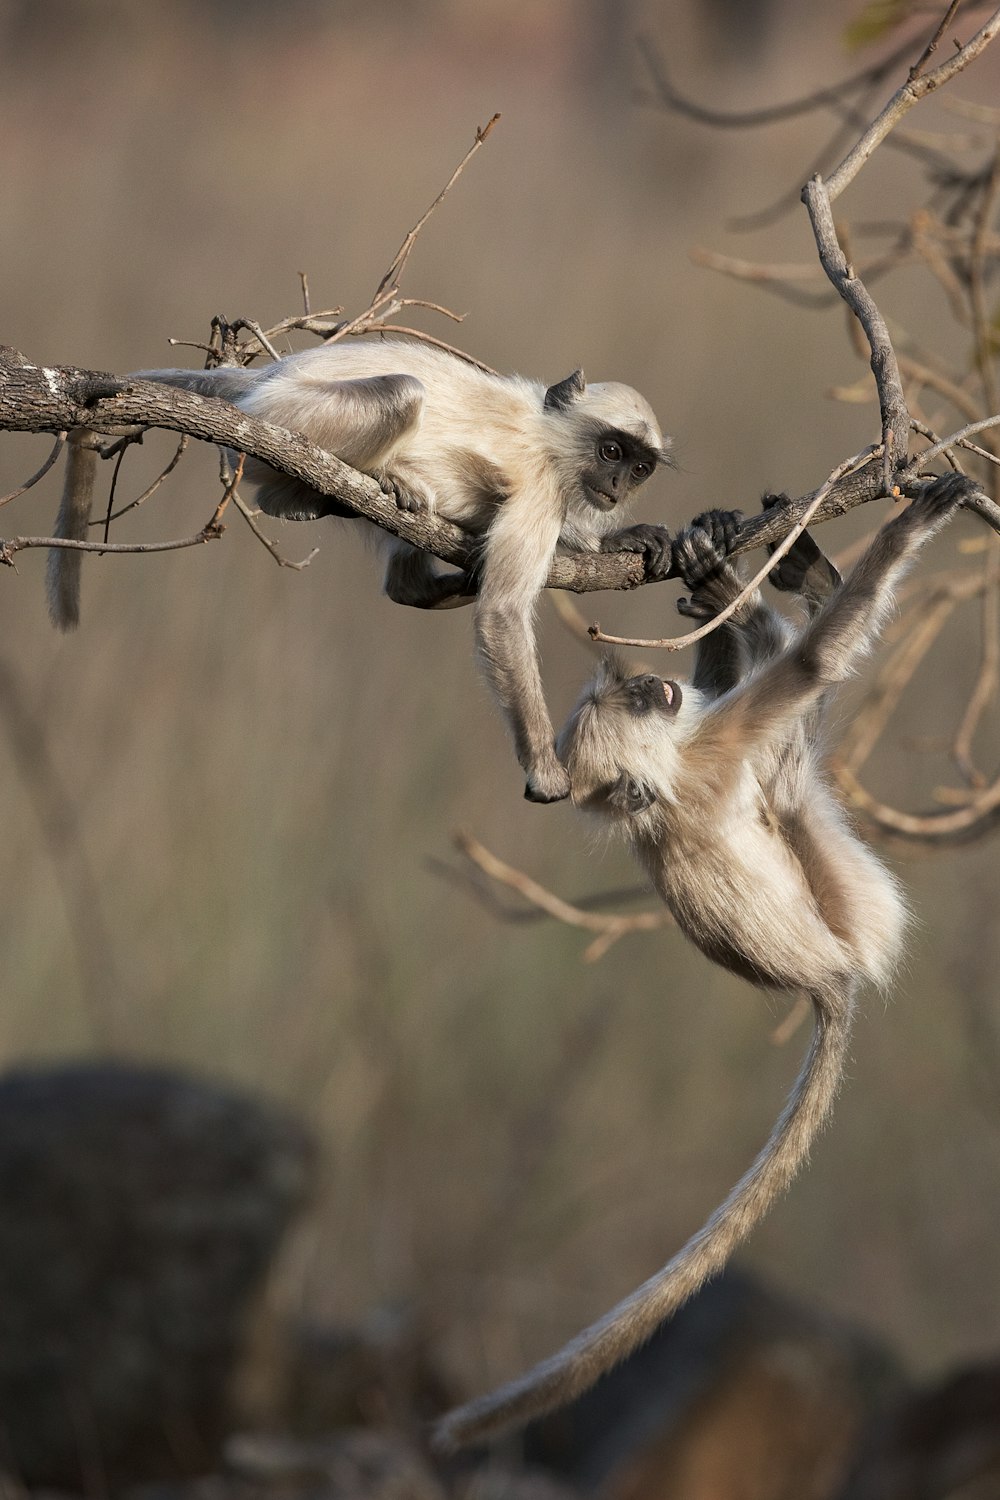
(446, 1434)
(63, 589)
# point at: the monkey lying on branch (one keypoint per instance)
(524, 467)
(717, 786)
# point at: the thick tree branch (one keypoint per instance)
(58, 398)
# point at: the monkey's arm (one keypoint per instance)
(518, 551)
(836, 639)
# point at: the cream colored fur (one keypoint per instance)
(500, 455)
(725, 805)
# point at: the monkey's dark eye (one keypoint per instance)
(641, 470)
(610, 452)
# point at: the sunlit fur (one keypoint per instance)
(502, 456)
(738, 835)
(718, 788)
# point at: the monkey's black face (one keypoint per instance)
(618, 464)
(649, 695)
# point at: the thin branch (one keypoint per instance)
(925, 374)
(977, 288)
(987, 679)
(957, 437)
(151, 489)
(429, 338)
(608, 927)
(228, 491)
(10, 546)
(57, 448)
(851, 117)
(980, 814)
(283, 562)
(259, 335)
(892, 402)
(791, 109)
(912, 91)
(402, 255)
(932, 45)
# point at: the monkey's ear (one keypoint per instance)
(628, 795)
(560, 397)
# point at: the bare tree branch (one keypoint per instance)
(913, 90)
(39, 473)
(609, 927)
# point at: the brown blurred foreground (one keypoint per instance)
(140, 1353)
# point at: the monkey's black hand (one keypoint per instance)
(804, 569)
(548, 783)
(653, 542)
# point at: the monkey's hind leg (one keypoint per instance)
(411, 578)
(804, 569)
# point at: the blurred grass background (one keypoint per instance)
(224, 791)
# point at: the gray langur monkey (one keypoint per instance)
(525, 467)
(718, 788)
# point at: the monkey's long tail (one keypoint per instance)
(227, 381)
(594, 1351)
(62, 577)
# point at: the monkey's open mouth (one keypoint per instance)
(600, 498)
(651, 694)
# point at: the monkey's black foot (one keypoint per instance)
(653, 542)
(548, 783)
(722, 526)
(939, 501)
(90, 389)
(696, 609)
(453, 590)
(405, 494)
(701, 549)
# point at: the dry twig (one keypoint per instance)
(609, 927)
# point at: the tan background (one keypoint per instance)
(260, 764)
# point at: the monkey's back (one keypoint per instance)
(462, 422)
